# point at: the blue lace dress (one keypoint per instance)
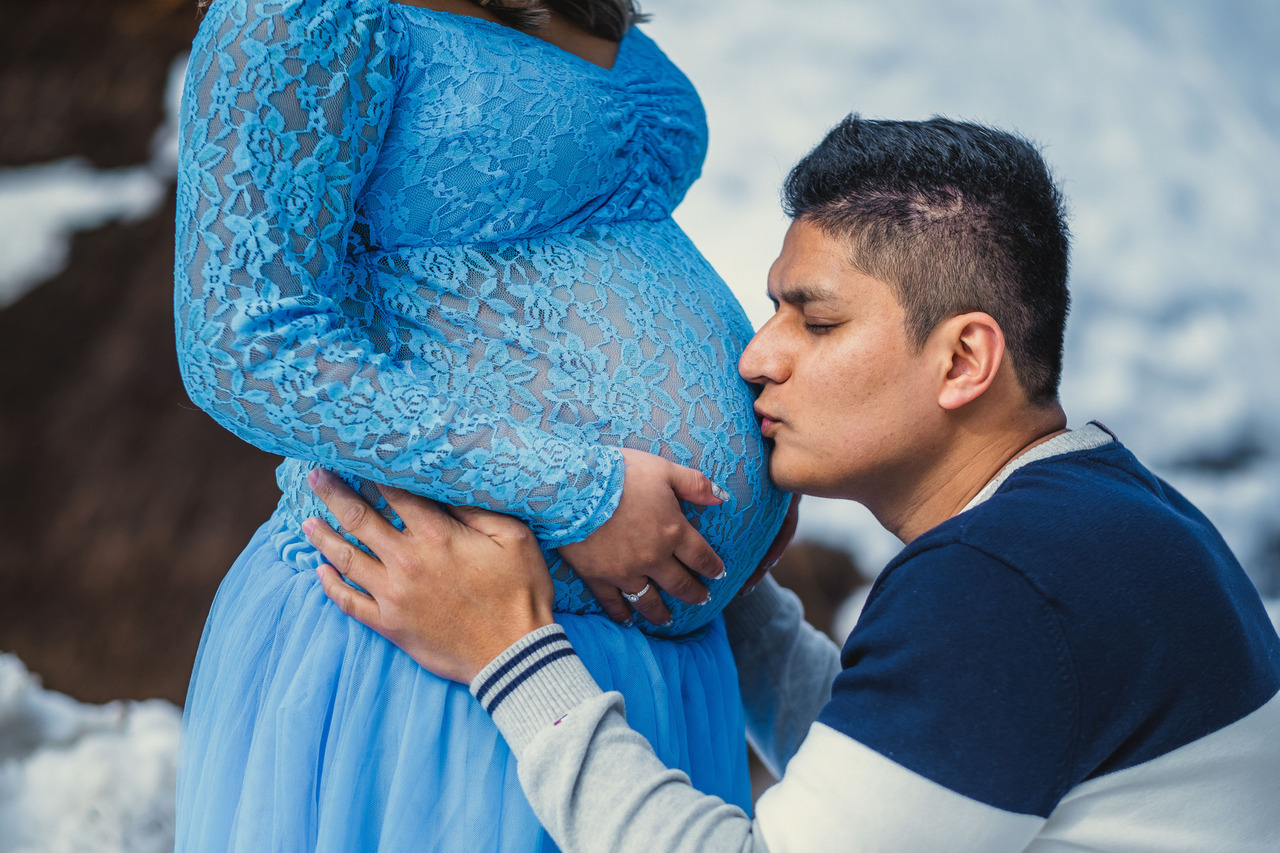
(427, 250)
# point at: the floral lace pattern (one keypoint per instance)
(427, 250)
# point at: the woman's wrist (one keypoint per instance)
(609, 475)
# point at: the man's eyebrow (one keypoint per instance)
(803, 294)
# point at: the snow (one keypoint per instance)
(92, 778)
(42, 206)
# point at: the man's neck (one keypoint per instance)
(972, 460)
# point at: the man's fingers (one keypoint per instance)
(492, 524)
(415, 511)
(756, 577)
(356, 604)
(777, 547)
(356, 516)
(785, 534)
(343, 556)
(611, 600)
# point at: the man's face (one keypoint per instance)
(846, 400)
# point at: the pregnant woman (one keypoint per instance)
(431, 246)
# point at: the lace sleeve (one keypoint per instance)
(285, 107)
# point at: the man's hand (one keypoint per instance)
(779, 545)
(648, 544)
(454, 589)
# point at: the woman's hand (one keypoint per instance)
(454, 589)
(648, 543)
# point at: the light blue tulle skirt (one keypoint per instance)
(304, 730)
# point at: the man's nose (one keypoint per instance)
(762, 360)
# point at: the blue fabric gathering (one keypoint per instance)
(427, 250)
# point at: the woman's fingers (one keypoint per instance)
(648, 603)
(693, 486)
(618, 605)
(351, 601)
(611, 600)
(694, 552)
(690, 484)
(678, 582)
(649, 535)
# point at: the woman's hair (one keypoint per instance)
(609, 19)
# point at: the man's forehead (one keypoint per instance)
(812, 268)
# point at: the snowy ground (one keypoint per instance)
(42, 206)
(83, 778)
(1161, 118)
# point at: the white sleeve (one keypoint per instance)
(596, 784)
(838, 795)
(592, 780)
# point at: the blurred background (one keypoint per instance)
(122, 505)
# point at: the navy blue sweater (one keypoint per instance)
(1083, 620)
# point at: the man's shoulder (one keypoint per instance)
(1084, 527)
(1097, 503)
(1140, 587)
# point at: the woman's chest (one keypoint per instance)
(503, 135)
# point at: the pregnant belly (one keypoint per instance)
(623, 337)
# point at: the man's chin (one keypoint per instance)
(801, 481)
(788, 479)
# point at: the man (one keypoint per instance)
(1065, 655)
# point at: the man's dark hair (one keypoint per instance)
(955, 217)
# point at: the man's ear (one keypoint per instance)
(972, 349)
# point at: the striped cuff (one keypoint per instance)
(533, 684)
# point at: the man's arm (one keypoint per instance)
(593, 781)
(785, 669)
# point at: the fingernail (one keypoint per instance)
(706, 600)
(748, 590)
(720, 493)
(668, 623)
(313, 477)
(308, 526)
(628, 623)
(769, 566)
(723, 574)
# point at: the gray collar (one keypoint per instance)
(1089, 436)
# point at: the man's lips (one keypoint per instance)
(767, 421)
